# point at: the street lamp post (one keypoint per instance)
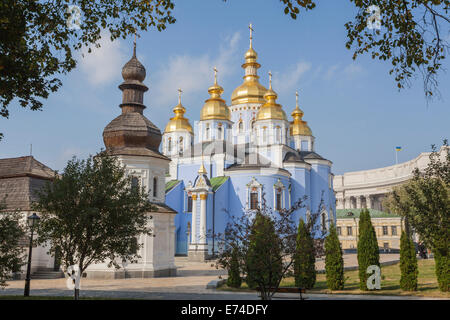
(32, 222)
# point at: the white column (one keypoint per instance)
(347, 203)
(203, 197)
(368, 202)
(194, 219)
(358, 202)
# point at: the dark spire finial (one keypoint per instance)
(134, 48)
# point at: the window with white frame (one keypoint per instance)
(254, 197)
(278, 199)
(253, 194)
(278, 190)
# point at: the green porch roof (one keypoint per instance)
(343, 214)
(170, 184)
(216, 182)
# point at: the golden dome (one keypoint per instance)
(271, 110)
(299, 127)
(251, 91)
(178, 122)
(215, 107)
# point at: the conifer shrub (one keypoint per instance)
(368, 251)
(234, 274)
(408, 264)
(304, 261)
(263, 261)
(334, 262)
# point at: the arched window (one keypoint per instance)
(254, 199)
(169, 144)
(278, 134)
(155, 186)
(220, 131)
(241, 127)
(134, 182)
(180, 142)
(207, 132)
(278, 199)
(264, 135)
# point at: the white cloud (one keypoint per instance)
(288, 81)
(103, 65)
(331, 71)
(194, 74)
(349, 71)
(353, 69)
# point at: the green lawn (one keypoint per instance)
(390, 283)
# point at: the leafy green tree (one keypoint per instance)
(408, 264)
(425, 202)
(334, 263)
(368, 251)
(92, 214)
(234, 271)
(264, 259)
(413, 36)
(36, 44)
(304, 261)
(12, 256)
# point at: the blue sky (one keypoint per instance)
(353, 107)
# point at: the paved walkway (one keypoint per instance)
(190, 283)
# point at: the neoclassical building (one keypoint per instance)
(368, 188)
(237, 157)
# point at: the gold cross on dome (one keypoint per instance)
(296, 98)
(215, 75)
(270, 79)
(251, 34)
(179, 95)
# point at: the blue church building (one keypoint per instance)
(237, 156)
